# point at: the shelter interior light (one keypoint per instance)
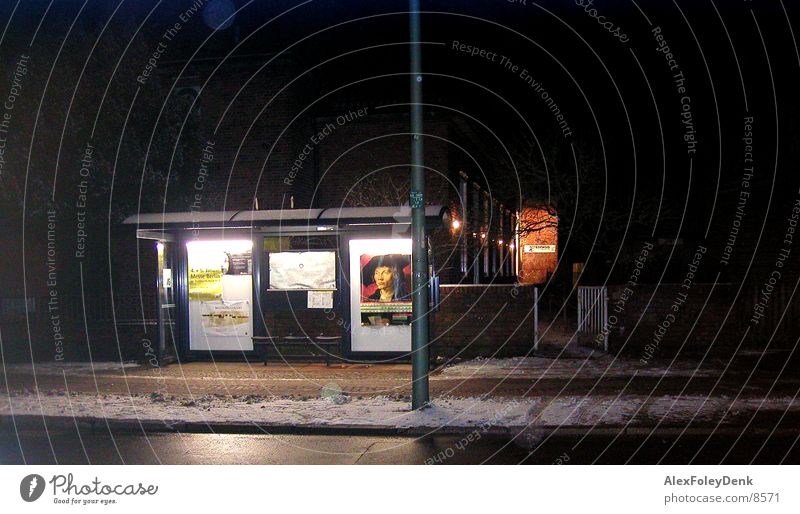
(225, 245)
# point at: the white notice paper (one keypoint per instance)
(320, 299)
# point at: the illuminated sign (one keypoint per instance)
(539, 248)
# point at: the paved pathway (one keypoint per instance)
(563, 377)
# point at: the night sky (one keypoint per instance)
(659, 93)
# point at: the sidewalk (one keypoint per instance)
(580, 392)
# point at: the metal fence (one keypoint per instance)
(593, 314)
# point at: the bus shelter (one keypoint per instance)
(235, 285)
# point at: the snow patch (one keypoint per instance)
(56, 368)
(383, 411)
(540, 367)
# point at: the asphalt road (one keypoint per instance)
(99, 447)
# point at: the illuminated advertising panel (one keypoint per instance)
(220, 294)
(380, 295)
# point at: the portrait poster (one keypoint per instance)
(385, 289)
(374, 327)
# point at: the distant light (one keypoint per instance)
(483, 236)
(511, 245)
(500, 242)
(218, 14)
(456, 225)
(160, 247)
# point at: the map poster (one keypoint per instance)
(231, 318)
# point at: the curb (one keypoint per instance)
(129, 426)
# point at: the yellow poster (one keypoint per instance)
(205, 284)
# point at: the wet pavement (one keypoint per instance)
(103, 447)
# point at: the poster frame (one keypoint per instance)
(345, 310)
(181, 285)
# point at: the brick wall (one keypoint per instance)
(373, 151)
(484, 320)
(257, 141)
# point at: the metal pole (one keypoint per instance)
(419, 307)
(535, 318)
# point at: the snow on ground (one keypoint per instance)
(394, 412)
(56, 368)
(539, 367)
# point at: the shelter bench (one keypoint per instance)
(325, 343)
